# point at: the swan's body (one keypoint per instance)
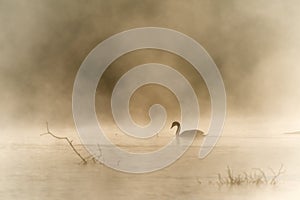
(187, 133)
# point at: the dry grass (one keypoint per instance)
(256, 177)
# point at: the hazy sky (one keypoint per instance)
(255, 44)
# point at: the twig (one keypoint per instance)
(263, 174)
(67, 139)
(280, 171)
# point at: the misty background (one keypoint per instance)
(255, 44)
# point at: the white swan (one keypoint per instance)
(187, 133)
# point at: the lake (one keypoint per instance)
(50, 170)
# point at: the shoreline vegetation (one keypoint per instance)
(256, 177)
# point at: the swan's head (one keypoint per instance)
(175, 123)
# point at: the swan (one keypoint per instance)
(187, 133)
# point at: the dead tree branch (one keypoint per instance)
(69, 142)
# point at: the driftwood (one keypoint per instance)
(84, 160)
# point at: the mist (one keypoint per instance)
(42, 44)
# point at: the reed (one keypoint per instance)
(256, 176)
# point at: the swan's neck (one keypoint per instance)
(177, 124)
(178, 130)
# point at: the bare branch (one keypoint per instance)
(69, 142)
(279, 172)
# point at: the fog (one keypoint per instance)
(255, 44)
